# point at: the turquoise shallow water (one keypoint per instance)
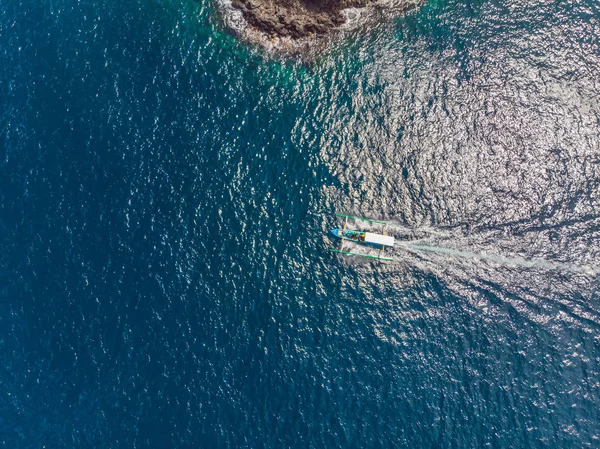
(165, 199)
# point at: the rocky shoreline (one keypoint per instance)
(289, 21)
(295, 18)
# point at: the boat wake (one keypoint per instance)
(430, 240)
(507, 261)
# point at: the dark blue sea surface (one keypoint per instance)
(166, 193)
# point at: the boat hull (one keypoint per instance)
(364, 238)
(349, 234)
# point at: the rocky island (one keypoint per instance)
(283, 23)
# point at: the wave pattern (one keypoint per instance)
(165, 197)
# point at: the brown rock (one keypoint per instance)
(297, 18)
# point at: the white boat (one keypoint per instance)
(380, 241)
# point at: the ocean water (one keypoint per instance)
(165, 199)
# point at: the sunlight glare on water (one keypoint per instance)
(166, 196)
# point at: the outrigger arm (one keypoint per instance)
(368, 256)
(345, 224)
(361, 218)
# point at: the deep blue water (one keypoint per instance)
(165, 197)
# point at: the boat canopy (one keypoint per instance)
(378, 239)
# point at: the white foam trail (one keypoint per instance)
(511, 261)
